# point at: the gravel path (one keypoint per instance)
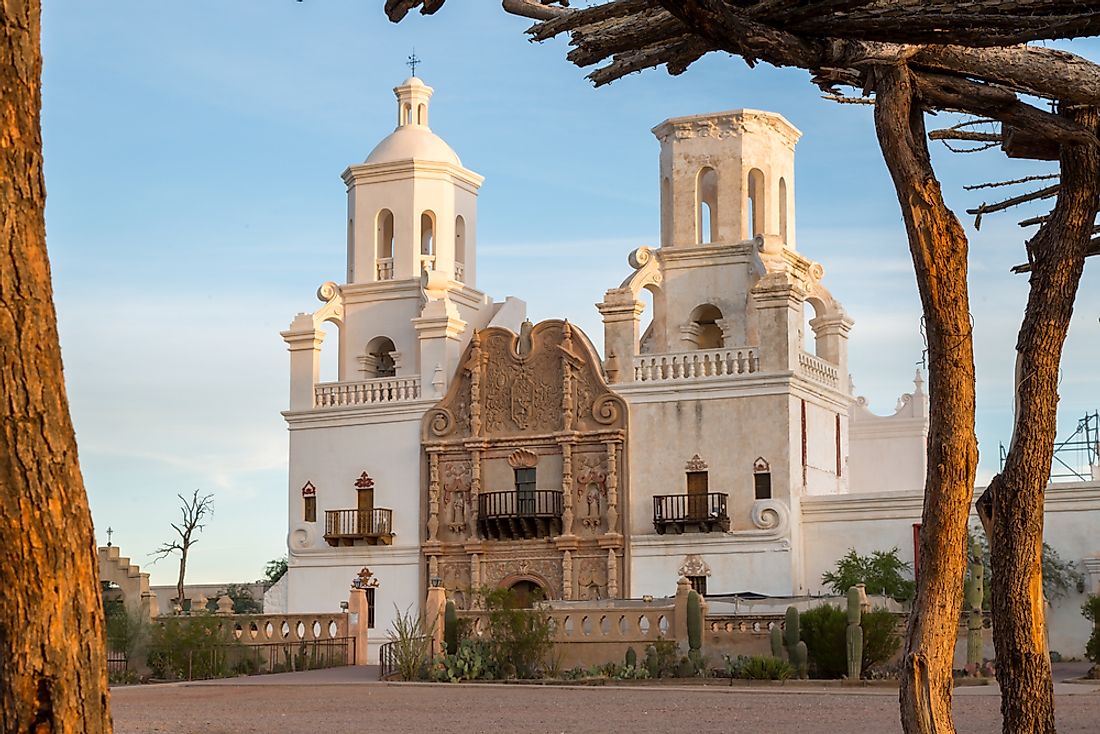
(313, 705)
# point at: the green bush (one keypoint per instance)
(823, 631)
(882, 572)
(520, 639)
(411, 645)
(1091, 610)
(758, 667)
(189, 648)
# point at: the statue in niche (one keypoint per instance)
(593, 579)
(456, 494)
(591, 488)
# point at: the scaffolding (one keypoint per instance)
(1077, 457)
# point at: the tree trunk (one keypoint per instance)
(179, 582)
(52, 650)
(939, 249)
(1013, 503)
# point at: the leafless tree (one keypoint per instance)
(194, 510)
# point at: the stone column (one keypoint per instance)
(433, 497)
(303, 342)
(612, 487)
(434, 608)
(359, 610)
(567, 488)
(475, 491)
(612, 575)
(567, 575)
(679, 623)
(621, 312)
(831, 342)
(779, 308)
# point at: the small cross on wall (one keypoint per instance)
(110, 532)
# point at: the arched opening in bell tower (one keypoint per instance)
(378, 359)
(460, 247)
(706, 206)
(783, 209)
(427, 240)
(708, 332)
(755, 218)
(384, 244)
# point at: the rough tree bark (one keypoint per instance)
(1012, 506)
(939, 249)
(52, 651)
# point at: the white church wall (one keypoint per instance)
(823, 446)
(880, 521)
(896, 441)
(756, 565)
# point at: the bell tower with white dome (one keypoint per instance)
(412, 207)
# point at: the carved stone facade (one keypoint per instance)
(526, 475)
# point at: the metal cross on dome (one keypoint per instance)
(413, 61)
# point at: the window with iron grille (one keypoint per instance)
(525, 490)
(311, 509)
(370, 607)
(698, 584)
(763, 485)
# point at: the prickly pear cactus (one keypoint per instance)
(694, 621)
(777, 642)
(450, 628)
(631, 657)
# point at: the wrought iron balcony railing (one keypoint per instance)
(516, 514)
(345, 527)
(678, 513)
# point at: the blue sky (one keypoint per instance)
(193, 160)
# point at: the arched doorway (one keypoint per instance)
(524, 594)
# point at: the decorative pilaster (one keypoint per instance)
(567, 489)
(612, 574)
(433, 567)
(475, 490)
(475, 580)
(567, 575)
(474, 368)
(612, 487)
(567, 378)
(433, 497)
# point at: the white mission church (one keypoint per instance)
(464, 445)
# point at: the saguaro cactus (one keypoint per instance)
(695, 629)
(631, 658)
(854, 635)
(975, 590)
(450, 628)
(777, 641)
(796, 649)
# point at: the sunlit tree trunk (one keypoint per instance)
(1012, 506)
(939, 249)
(53, 672)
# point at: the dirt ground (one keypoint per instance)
(329, 705)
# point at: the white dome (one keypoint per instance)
(413, 142)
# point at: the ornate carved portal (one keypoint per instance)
(525, 469)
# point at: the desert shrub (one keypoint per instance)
(662, 658)
(410, 644)
(824, 630)
(520, 639)
(191, 648)
(880, 639)
(1091, 610)
(471, 661)
(758, 667)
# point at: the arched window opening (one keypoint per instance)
(666, 212)
(427, 233)
(384, 244)
(809, 339)
(653, 325)
(706, 206)
(756, 203)
(708, 332)
(460, 248)
(407, 117)
(645, 325)
(351, 250)
(329, 360)
(783, 209)
(380, 358)
(762, 479)
(422, 114)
